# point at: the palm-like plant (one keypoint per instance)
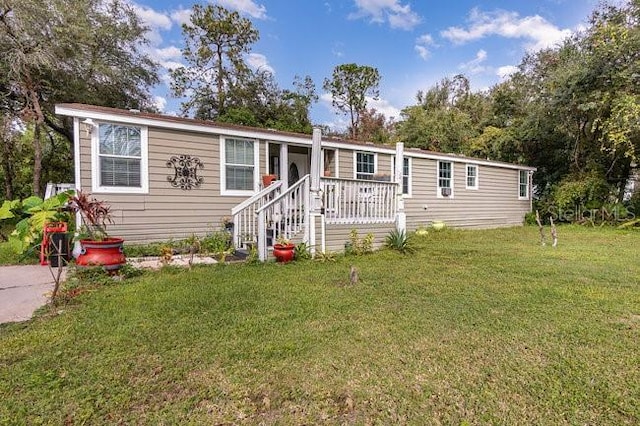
(95, 214)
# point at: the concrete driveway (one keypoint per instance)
(23, 289)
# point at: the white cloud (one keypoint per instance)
(171, 65)
(247, 7)
(169, 52)
(506, 71)
(258, 61)
(160, 103)
(422, 45)
(181, 16)
(152, 18)
(383, 107)
(392, 11)
(475, 66)
(539, 32)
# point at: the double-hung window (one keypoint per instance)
(120, 159)
(445, 178)
(365, 165)
(472, 176)
(239, 166)
(523, 186)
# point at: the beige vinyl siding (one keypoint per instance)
(345, 157)
(167, 212)
(495, 203)
(338, 235)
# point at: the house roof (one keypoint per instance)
(101, 113)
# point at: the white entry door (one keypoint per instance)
(298, 167)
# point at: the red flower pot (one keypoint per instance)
(268, 180)
(107, 253)
(284, 252)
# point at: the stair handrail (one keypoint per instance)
(241, 214)
(261, 213)
(257, 196)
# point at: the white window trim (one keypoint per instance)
(336, 153)
(223, 174)
(95, 163)
(439, 188)
(355, 162)
(410, 180)
(466, 176)
(528, 185)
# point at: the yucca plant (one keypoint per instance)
(400, 241)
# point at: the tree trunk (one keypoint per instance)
(8, 148)
(37, 160)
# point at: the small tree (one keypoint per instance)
(350, 85)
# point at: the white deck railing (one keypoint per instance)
(358, 201)
(245, 225)
(286, 216)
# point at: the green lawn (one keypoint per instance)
(476, 327)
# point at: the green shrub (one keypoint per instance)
(400, 241)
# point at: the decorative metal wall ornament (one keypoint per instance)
(186, 172)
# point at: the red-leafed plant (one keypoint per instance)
(95, 214)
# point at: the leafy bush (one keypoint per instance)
(358, 246)
(22, 221)
(302, 252)
(589, 191)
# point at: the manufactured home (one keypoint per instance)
(167, 177)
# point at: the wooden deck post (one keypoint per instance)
(401, 216)
(315, 201)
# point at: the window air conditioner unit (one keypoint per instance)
(446, 192)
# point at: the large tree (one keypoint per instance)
(87, 51)
(215, 42)
(349, 85)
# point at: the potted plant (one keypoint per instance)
(284, 250)
(97, 248)
(268, 180)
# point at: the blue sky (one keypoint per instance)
(414, 44)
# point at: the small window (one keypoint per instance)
(365, 165)
(445, 179)
(239, 166)
(472, 176)
(523, 192)
(406, 175)
(120, 159)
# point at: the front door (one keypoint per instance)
(298, 167)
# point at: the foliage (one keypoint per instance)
(399, 241)
(349, 86)
(57, 54)
(461, 332)
(359, 246)
(215, 41)
(326, 256)
(95, 214)
(302, 252)
(22, 221)
(588, 191)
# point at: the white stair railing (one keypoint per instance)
(245, 226)
(285, 216)
(358, 201)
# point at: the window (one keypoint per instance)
(406, 175)
(120, 159)
(365, 165)
(523, 192)
(472, 176)
(239, 166)
(445, 178)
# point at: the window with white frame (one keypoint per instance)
(406, 175)
(365, 165)
(239, 166)
(445, 178)
(523, 187)
(472, 176)
(120, 159)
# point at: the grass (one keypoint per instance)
(10, 257)
(475, 327)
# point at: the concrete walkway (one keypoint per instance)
(23, 289)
